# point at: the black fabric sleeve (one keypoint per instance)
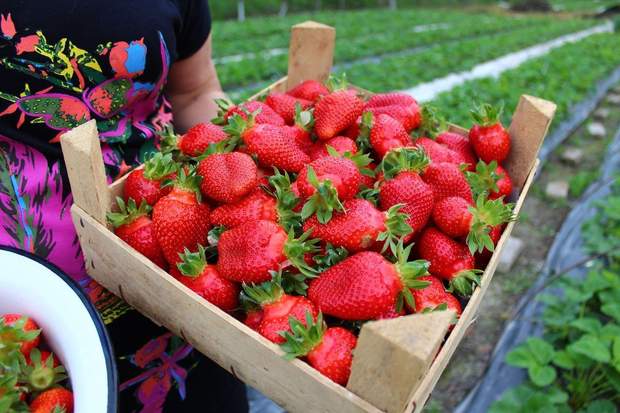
(195, 26)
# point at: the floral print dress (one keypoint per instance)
(63, 63)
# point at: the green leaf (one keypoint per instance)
(587, 325)
(601, 406)
(521, 357)
(541, 350)
(563, 359)
(612, 310)
(541, 375)
(591, 347)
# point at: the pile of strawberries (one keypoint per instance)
(31, 377)
(302, 213)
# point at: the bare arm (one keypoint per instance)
(192, 87)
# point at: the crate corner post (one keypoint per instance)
(530, 123)
(81, 150)
(392, 357)
(311, 52)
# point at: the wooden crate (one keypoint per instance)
(396, 363)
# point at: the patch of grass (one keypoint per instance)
(579, 182)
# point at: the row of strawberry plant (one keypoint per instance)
(568, 74)
(588, 6)
(441, 60)
(575, 366)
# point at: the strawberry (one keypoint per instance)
(180, 219)
(253, 318)
(264, 114)
(133, 225)
(284, 105)
(366, 285)
(447, 179)
(438, 153)
(301, 128)
(147, 183)
(227, 177)
(449, 260)
(488, 136)
(53, 401)
(341, 144)
(196, 274)
(328, 349)
(309, 90)
(482, 258)
(335, 112)
(434, 297)
(248, 253)
(403, 185)
(43, 370)
(392, 313)
(459, 144)
(456, 218)
(18, 329)
(272, 145)
(277, 308)
(360, 227)
(490, 179)
(390, 99)
(326, 182)
(386, 134)
(198, 138)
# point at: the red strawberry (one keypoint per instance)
(51, 400)
(392, 313)
(403, 185)
(277, 308)
(133, 225)
(146, 183)
(390, 99)
(360, 227)
(341, 144)
(325, 183)
(180, 219)
(434, 296)
(447, 179)
(448, 259)
(263, 113)
(336, 112)
(488, 136)
(284, 105)
(457, 218)
(254, 207)
(439, 153)
(491, 179)
(408, 116)
(459, 144)
(196, 274)
(366, 286)
(248, 253)
(274, 146)
(327, 349)
(482, 258)
(20, 329)
(309, 90)
(253, 318)
(367, 180)
(386, 134)
(227, 177)
(198, 138)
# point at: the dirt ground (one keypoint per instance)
(540, 218)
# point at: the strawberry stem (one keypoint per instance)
(323, 202)
(403, 159)
(302, 339)
(295, 250)
(363, 139)
(192, 263)
(485, 179)
(433, 123)
(465, 281)
(487, 115)
(487, 214)
(159, 166)
(286, 200)
(265, 293)
(127, 213)
(396, 226)
(409, 272)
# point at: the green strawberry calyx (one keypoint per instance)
(286, 200)
(324, 201)
(259, 295)
(237, 124)
(192, 263)
(486, 214)
(464, 282)
(13, 335)
(433, 123)
(403, 159)
(159, 166)
(360, 159)
(302, 339)
(223, 106)
(168, 140)
(303, 118)
(187, 181)
(396, 226)
(41, 375)
(485, 179)
(331, 256)
(363, 138)
(487, 115)
(337, 82)
(127, 212)
(410, 272)
(295, 250)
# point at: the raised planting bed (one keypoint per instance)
(396, 362)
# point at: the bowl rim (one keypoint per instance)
(104, 338)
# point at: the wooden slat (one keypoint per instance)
(311, 52)
(392, 356)
(82, 153)
(529, 126)
(294, 385)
